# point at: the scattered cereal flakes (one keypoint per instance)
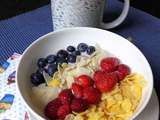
(126, 105)
(110, 102)
(118, 97)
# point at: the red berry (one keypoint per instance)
(122, 71)
(52, 108)
(77, 90)
(84, 80)
(63, 111)
(98, 75)
(79, 105)
(92, 95)
(65, 96)
(109, 64)
(107, 83)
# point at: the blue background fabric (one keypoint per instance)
(17, 33)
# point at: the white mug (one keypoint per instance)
(83, 13)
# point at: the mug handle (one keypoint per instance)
(120, 19)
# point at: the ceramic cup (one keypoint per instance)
(82, 13)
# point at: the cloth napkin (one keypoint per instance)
(11, 106)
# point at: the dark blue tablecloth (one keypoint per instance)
(20, 31)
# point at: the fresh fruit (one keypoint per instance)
(77, 90)
(51, 59)
(37, 79)
(40, 70)
(63, 111)
(71, 58)
(62, 54)
(82, 47)
(65, 96)
(52, 108)
(90, 50)
(61, 61)
(107, 82)
(92, 95)
(52, 68)
(122, 71)
(84, 80)
(76, 53)
(41, 62)
(71, 48)
(109, 64)
(98, 75)
(79, 105)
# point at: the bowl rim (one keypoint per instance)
(31, 111)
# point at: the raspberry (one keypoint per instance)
(79, 105)
(63, 111)
(52, 108)
(109, 64)
(84, 80)
(77, 90)
(65, 96)
(98, 75)
(92, 95)
(122, 71)
(107, 83)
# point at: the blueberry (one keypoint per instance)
(62, 54)
(90, 50)
(76, 53)
(40, 70)
(41, 62)
(51, 59)
(71, 58)
(82, 47)
(61, 60)
(37, 79)
(52, 68)
(71, 48)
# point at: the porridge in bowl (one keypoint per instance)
(86, 83)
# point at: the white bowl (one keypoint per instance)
(52, 42)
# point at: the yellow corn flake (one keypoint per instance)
(95, 115)
(125, 116)
(54, 83)
(111, 118)
(136, 91)
(126, 105)
(126, 92)
(118, 97)
(116, 108)
(119, 119)
(110, 102)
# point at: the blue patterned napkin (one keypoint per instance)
(11, 106)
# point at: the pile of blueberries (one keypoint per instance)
(50, 63)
